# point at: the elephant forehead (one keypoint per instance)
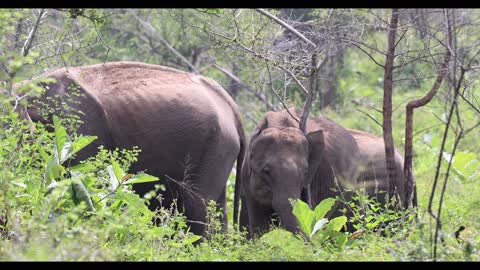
(283, 134)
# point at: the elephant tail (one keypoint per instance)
(238, 178)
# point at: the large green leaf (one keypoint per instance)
(53, 169)
(337, 223)
(60, 135)
(323, 207)
(141, 178)
(82, 142)
(304, 215)
(117, 170)
(69, 149)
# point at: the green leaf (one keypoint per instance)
(114, 181)
(53, 169)
(337, 223)
(319, 225)
(65, 153)
(192, 239)
(82, 167)
(69, 149)
(60, 134)
(323, 207)
(141, 178)
(82, 142)
(80, 194)
(117, 170)
(304, 215)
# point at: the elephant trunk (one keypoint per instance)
(282, 206)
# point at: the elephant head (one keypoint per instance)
(279, 165)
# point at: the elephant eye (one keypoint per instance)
(266, 170)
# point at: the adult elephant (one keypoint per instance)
(281, 162)
(187, 127)
(373, 170)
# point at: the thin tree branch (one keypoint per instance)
(278, 96)
(101, 39)
(371, 117)
(246, 86)
(286, 26)
(294, 78)
(33, 32)
(155, 33)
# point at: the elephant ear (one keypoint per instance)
(316, 141)
(260, 127)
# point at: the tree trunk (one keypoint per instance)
(410, 189)
(329, 80)
(387, 105)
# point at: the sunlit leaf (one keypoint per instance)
(323, 207)
(117, 170)
(141, 178)
(81, 143)
(82, 167)
(337, 223)
(304, 215)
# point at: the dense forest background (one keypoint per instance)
(344, 64)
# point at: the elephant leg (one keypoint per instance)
(222, 204)
(243, 216)
(196, 213)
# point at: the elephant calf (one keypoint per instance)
(282, 162)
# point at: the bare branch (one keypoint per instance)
(294, 78)
(246, 86)
(286, 26)
(371, 117)
(278, 96)
(101, 39)
(155, 33)
(33, 32)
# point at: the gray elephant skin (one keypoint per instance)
(373, 170)
(282, 162)
(187, 127)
